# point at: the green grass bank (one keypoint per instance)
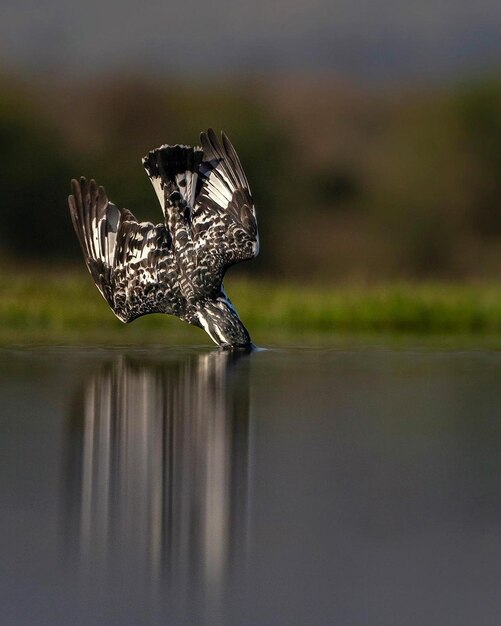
(48, 308)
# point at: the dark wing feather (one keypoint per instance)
(130, 261)
(223, 219)
(96, 221)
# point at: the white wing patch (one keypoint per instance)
(218, 191)
(156, 181)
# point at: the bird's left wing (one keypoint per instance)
(223, 218)
(130, 261)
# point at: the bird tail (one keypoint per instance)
(175, 168)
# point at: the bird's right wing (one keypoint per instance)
(223, 220)
(130, 261)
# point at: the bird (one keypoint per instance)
(177, 266)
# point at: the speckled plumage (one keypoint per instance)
(176, 267)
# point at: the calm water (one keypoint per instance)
(291, 486)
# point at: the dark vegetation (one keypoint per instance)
(349, 184)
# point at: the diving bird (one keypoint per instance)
(175, 267)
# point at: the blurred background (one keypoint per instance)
(351, 479)
(370, 131)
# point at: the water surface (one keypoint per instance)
(289, 486)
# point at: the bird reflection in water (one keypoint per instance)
(159, 458)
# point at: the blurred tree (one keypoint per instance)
(346, 183)
(336, 187)
(417, 187)
(34, 181)
(478, 108)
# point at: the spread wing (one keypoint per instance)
(130, 261)
(223, 218)
(207, 205)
